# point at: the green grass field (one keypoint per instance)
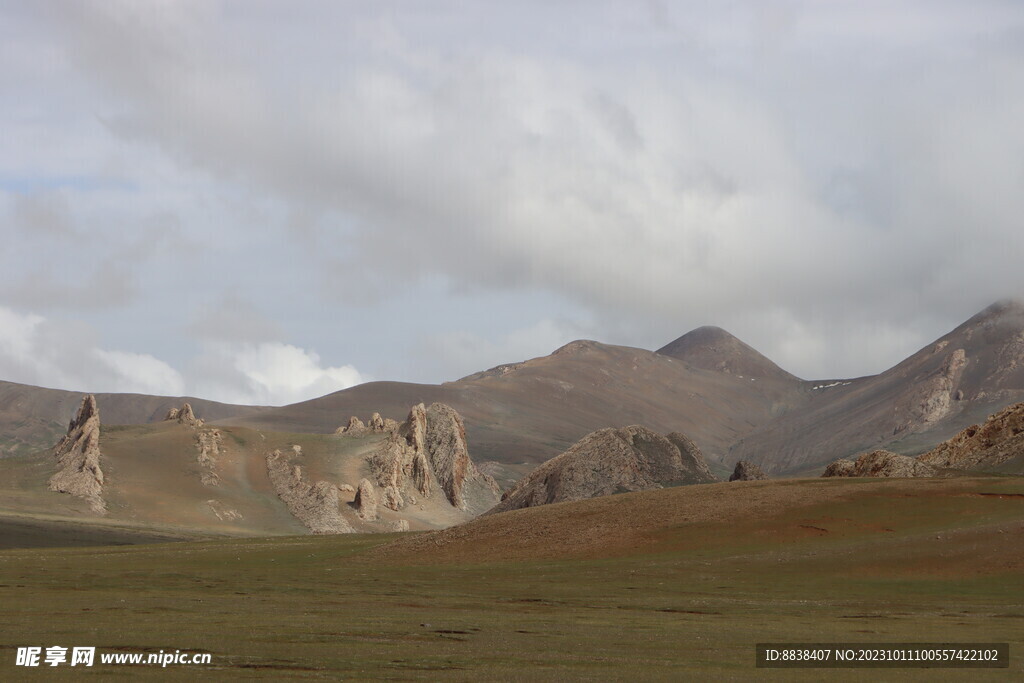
(875, 562)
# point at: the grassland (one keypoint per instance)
(672, 584)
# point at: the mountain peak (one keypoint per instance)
(1001, 309)
(713, 348)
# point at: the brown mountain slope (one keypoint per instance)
(529, 412)
(768, 514)
(731, 400)
(960, 378)
(199, 479)
(712, 348)
(34, 418)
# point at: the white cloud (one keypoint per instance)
(791, 173)
(34, 350)
(269, 373)
(140, 373)
(38, 351)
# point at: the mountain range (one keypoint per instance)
(730, 400)
(735, 403)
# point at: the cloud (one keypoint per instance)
(45, 213)
(233, 319)
(52, 353)
(109, 284)
(34, 350)
(139, 373)
(791, 173)
(270, 373)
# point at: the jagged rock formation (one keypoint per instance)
(430, 448)
(999, 439)
(354, 426)
(379, 425)
(375, 425)
(184, 415)
(210, 444)
(691, 460)
(937, 395)
(366, 501)
(841, 468)
(445, 440)
(316, 505)
(880, 463)
(610, 461)
(747, 471)
(78, 457)
(400, 525)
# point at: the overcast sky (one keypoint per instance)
(268, 201)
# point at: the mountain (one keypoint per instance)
(190, 478)
(522, 414)
(712, 348)
(734, 404)
(33, 418)
(957, 380)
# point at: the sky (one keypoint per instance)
(264, 202)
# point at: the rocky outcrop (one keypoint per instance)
(354, 426)
(429, 451)
(747, 471)
(78, 458)
(610, 461)
(366, 501)
(445, 440)
(691, 459)
(999, 439)
(841, 468)
(316, 505)
(209, 442)
(938, 393)
(375, 425)
(400, 525)
(379, 425)
(210, 445)
(880, 464)
(184, 415)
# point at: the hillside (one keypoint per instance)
(192, 479)
(712, 348)
(710, 516)
(525, 413)
(958, 380)
(34, 418)
(731, 400)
